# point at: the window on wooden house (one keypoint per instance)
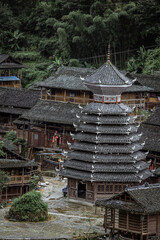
(36, 136)
(109, 188)
(101, 188)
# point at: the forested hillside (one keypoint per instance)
(45, 34)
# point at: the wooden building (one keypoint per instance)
(67, 86)
(13, 103)
(153, 82)
(44, 125)
(10, 72)
(49, 125)
(106, 155)
(19, 170)
(134, 213)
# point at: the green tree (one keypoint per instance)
(10, 135)
(2, 153)
(29, 207)
(33, 182)
(16, 40)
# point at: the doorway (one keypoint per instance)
(81, 190)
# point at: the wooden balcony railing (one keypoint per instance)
(130, 102)
(140, 102)
(19, 179)
(67, 99)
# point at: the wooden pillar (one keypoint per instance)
(84, 98)
(64, 95)
(45, 93)
(105, 220)
(20, 190)
(95, 190)
(157, 225)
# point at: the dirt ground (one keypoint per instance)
(67, 220)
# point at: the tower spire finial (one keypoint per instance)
(108, 55)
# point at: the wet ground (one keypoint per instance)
(67, 220)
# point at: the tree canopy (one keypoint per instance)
(29, 207)
(79, 29)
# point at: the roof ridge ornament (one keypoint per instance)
(109, 51)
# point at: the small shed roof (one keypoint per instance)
(50, 111)
(9, 78)
(15, 163)
(146, 199)
(8, 62)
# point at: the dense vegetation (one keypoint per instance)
(29, 207)
(4, 180)
(45, 34)
(11, 136)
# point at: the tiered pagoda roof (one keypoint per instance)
(106, 146)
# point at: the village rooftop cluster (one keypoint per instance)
(100, 128)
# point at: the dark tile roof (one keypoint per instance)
(20, 98)
(151, 136)
(106, 148)
(138, 88)
(107, 109)
(56, 112)
(67, 78)
(108, 119)
(71, 78)
(119, 204)
(103, 129)
(86, 137)
(12, 63)
(154, 118)
(146, 200)
(151, 132)
(12, 110)
(113, 158)
(108, 168)
(151, 81)
(108, 177)
(108, 74)
(14, 163)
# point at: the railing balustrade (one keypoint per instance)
(19, 179)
